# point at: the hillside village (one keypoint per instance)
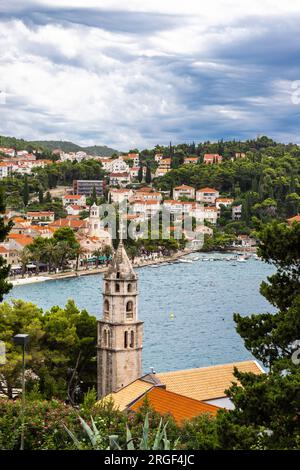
(61, 194)
(120, 184)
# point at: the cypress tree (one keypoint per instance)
(94, 198)
(26, 192)
(41, 196)
(140, 173)
(148, 177)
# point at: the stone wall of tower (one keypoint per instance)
(120, 333)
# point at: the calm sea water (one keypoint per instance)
(202, 296)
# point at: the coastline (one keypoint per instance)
(89, 272)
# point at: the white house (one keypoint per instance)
(117, 196)
(207, 195)
(183, 191)
(236, 212)
(223, 201)
(77, 199)
(120, 179)
(211, 214)
(119, 166)
(5, 170)
(73, 209)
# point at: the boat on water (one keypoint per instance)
(182, 260)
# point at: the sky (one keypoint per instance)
(144, 72)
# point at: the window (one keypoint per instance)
(105, 337)
(117, 287)
(107, 287)
(106, 309)
(118, 275)
(131, 339)
(129, 309)
(129, 288)
(126, 339)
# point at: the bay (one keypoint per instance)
(187, 308)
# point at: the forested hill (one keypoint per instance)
(21, 144)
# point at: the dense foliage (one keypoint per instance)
(61, 356)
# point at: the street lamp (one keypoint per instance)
(22, 340)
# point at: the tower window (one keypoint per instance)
(129, 288)
(106, 309)
(117, 287)
(118, 275)
(129, 309)
(105, 338)
(126, 339)
(107, 287)
(132, 339)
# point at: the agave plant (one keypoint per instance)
(161, 441)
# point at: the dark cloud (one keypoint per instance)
(114, 21)
(226, 91)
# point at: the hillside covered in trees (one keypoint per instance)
(50, 145)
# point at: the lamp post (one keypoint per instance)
(22, 340)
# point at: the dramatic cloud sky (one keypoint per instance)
(137, 73)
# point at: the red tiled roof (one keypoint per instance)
(21, 239)
(207, 190)
(179, 406)
(296, 218)
(72, 196)
(183, 186)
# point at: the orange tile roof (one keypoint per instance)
(206, 383)
(181, 408)
(207, 190)
(72, 196)
(127, 394)
(224, 199)
(18, 219)
(3, 249)
(183, 186)
(296, 218)
(68, 222)
(21, 239)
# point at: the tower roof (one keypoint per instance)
(121, 267)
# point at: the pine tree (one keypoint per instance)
(266, 410)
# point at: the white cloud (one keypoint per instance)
(69, 79)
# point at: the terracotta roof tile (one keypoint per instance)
(206, 383)
(180, 407)
(126, 395)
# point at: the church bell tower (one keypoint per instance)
(120, 333)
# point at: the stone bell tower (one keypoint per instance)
(120, 333)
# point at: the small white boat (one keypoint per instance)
(185, 260)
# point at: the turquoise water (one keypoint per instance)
(202, 296)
